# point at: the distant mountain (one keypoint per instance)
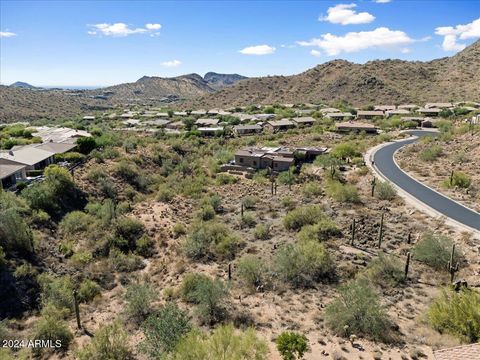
(219, 81)
(382, 81)
(23, 85)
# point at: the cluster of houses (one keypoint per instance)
(19, 161)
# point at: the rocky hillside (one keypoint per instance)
(382, 81)
(219, 81)
(23, 85)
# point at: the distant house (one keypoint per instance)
(157, 122)
(367, 115)
(391, 113)
(177, 125)
(11, 172)
(303, 111)
(384, 107)
(339, 115)
(223, 112)
(89, 117)
(463, 352)
(199, 112)
(304, 121)
(418, 120)
(355, 126)
(213, 112)
(329, 110)
(207, 122)
(438, 105)
(408, 107)
(244, 117)
(131, 122)
(279, 125)
(277, 162)
(162, 114)
(61, 134)
(32, 157)
(211, 131)
(429, 111)
(242, 130)
(56, 148)
(264, 117)
(180, 113)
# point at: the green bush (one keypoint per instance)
(435, 251)
(211, 239)
(385, 271)
(262, 231)
(358, 311)
(345, 150)
(139, 298)
(249, 202)
(304, 263)
(248, 220)
(458, 179)
(323, 230)
(145, 246)
(124, 262)
(51, 326)
(190, 284)
(252, 271)
(56, 291)
(86, 144)
(130, 230)
(179, 230)
(312, 189)
(291, 345)
(206, 212)
(457, 313)
(75, 222)
(431, 153)
(15, 234)
(223, 179)
(110, 342)
(165, 195)
(385, 191)
(214, 200)
(342, 192)
(163, 330)
(88, 290)
(299, 217)
(288, 203)
(224, 343)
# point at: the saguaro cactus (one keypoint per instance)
(241, 210)
(380, 231)
(353, 232)
(407, 265)
(373, 185)
(452, 269)
(77, 309)
(229, 271)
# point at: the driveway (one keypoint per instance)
(384, 164)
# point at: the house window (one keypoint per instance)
(275, 165)
(241, 160)
(254, 163)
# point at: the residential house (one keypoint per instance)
(157, 122)
(390, 113)
(279, 125)
(163, 114)
(303, 111)
(355, 126)
(207, 122)
(304, 121)
(211, 131)
(410, 107)
(56, 148)
(213, 112)
(429, 111)
(384, 107)
(89, 117)
(339, 115)
(61, 134)
(241, 130)
(31, 157)
(462, 352)
(329, 110)
(367, 115)
(176, 125)
(199, 112)
(264, 117)
(438, 105)
(180, 113)
(11, 172)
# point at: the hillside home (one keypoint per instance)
(438, 105)
(244, 117)
(207, 122)
(418, 120)
(462, 352)
(211, 131)
(89, 117)
(355, 126)
(368, 115)
(198, 112)
(11, 172)
(31, 157)
(180, 113)
(264, 117)
(241, 130)
(157, 122)
(213, 112)
(384, 107)
(162, 114)
(304, 121)
(429, 111)
(329, 110)
(56, 148)
(391, 113)
(223, 112)
(279, 125)
(176, 125)
(301, 112)
(339, 115)
(408, 107)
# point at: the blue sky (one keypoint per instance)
(109, 42)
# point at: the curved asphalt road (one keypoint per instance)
(384, 164)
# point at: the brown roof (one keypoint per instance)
(465, 352)
(9, 167)
(355, 125)
(370, 113)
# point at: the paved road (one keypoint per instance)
(383, 161)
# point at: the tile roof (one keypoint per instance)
(465, 352)
(9, 167)
(27, 155)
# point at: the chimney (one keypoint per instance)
(10, 152)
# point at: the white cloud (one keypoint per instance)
(6, 34)
(258, 50)
(463, 32)
(382, 1)
(406, 51)
(122, 30)
(344, 15)
(172, 63)
(315, 53)
(356, 41)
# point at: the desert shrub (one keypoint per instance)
(214, 200)
(304, 263)
(206, 212)
(357, 310)
(435, 251)
(210, 239)
(324, 229)
(51, 326)
(457, 313)
(248, 220)
(312, 189)
(458, 179)
(56, 291)
(345, 150)
(431, 153)
(128, 229)
(15, 234)
(385, 271)
(163, 330)
(190, 284)
(109, 342)
(145, 246)
(165, 194)
(223, 179)
(75, 222)
(342, 192)
(288, 203)
(305, 215)
(81, 258)
(88, 290)
(385, 191)
(179, 230)
(86, 144)
(249, 202)
(262, 231)
(209, 295)
(291, 345)
(252, 271)
(139, 298)
(223, 343)
(124, 262)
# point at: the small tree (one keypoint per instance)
(434, 250)
(139, 299)
(86, 144)
(292, 345)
